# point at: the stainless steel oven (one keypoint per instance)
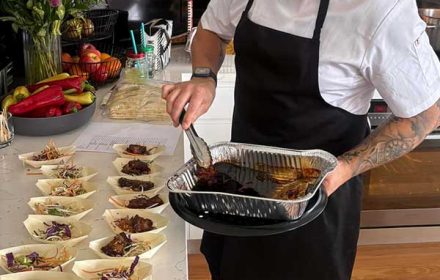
(405, 192)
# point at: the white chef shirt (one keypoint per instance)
(365, 45)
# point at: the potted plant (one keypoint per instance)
(40, 21)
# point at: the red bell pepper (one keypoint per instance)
(71, 107)
(54, 112)
(72, 85)
(45, 112)
(52, 96)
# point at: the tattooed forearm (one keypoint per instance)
(395, 138)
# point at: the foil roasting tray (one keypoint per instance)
(262, 158)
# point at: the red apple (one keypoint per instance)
(90, 63)
(91, 53)
(85, 47)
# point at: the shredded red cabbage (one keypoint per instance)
(67, 231)
(55, 229)
(121, 274)
(33, 256)
(10, 259)
(134, 264)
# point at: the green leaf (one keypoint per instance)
(39, 13)
(60, 12)
(42, 32)
(29, 4)
(7, 18)
(15, 27)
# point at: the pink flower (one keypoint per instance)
(54, 3)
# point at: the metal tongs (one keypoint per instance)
(199, 148)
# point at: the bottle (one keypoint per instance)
(151, 59)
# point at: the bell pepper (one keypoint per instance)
(7, 102)
(52, 96)
(54, 112)
(39, 89)
(61, 76)
(85, 98)
(75, 83)
(88, 87)
(20, 93)
(71, 107)
(45, 112)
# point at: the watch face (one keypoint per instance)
(202, 71)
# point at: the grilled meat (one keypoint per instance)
(116, 247)
(143, 202)
(137, 149)
(135, 224)
(135, 185)
(136, 167)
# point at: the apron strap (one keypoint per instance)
(248, 7)
(322, 13)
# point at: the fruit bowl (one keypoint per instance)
(96, 24)
(53, 125)
(100, 65)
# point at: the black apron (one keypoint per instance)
(278, 103)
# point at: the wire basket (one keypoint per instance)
(95, 25)
(98, 73)
(254, 157)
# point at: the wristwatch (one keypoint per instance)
(204, 72)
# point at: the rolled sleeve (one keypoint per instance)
(401, 63)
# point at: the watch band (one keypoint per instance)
(208, 73)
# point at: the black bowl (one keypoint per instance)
(53, 125)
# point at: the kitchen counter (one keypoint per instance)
(16, 188)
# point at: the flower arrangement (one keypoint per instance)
(41, 22)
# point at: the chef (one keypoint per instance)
(306, 72)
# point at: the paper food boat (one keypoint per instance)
(154, 169)
(44, 250)
(79, 205)
(154, 150)
(87, 173)
(80, 230)
(120, 201)
(154, 240)
(40, 275)
(89, 269)
(159, 183)
(67, 152)
(46, 186)
(111, 215)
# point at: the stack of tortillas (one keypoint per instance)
(137, 101)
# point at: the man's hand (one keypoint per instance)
(197, 93)
(337, 177)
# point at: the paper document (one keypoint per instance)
(101, 136)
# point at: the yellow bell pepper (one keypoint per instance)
(85, 98)
(21, 93)
(39, 89)
(58, 77)
(8, 101)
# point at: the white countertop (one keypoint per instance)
(16, 188)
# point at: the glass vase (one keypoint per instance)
(42, 56)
